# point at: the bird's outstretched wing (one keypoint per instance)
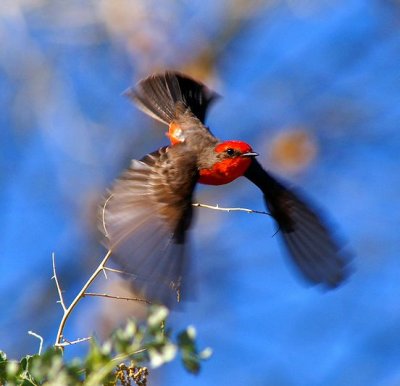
(146, 218)
(309, 241)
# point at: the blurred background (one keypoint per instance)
(314, 85)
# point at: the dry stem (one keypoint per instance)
(81, 294)
(217, 207)
(104, 295)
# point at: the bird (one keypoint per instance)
(148, 211)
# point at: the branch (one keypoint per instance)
(60, 295)
(40, 338)
(81, 294)
(103, 215)
(217, 207)
(115, 297)
(69, 343)
(119, 271)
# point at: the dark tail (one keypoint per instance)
(159, 94)
(310, 244)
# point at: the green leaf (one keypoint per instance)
(3, 366)
(12, 369)
(157, 316)
(206, 353)
(191, 357)
(163, 355)
(96, 357)
(186, 339)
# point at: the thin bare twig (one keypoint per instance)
(40, 339)
(103, 217)
(78, 297)
(119, 271)
(217, 207)
(69, 343)
(104, 295)
(60, 295)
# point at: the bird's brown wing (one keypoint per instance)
(145, 220)
(308, 239)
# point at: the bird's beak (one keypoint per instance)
(250, 154)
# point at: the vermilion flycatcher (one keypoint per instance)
(149, 210)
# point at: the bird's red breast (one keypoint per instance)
(224, 171)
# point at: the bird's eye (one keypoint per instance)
(230, 151)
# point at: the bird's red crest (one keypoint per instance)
(243, 147)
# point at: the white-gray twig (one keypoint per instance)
(40, 339)
(66, 342)
(119, 271)
(60, 295)
(217, 207)
(103, 215)
(67, 311)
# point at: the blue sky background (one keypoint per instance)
(328, 70)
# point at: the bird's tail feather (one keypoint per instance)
(160, 94)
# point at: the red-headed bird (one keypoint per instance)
(149, 210)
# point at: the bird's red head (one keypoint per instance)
(232, 160)
(234, 148)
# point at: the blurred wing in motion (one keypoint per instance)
(160, 94)
(308, 240)
(145, 220)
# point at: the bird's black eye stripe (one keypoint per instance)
(230, 151)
